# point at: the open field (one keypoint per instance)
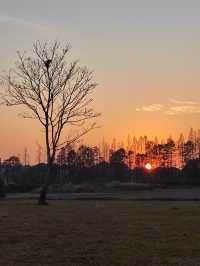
(100, 232)
(137, 193)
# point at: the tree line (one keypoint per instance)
(81, 166)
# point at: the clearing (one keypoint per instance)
(100, 232)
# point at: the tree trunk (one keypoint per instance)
(43, 193)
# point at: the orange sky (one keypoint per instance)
(145, 58)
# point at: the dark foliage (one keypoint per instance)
(2, 189)
(167, 176)
(18, 178)
(191, 172)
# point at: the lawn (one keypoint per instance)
(104, 232)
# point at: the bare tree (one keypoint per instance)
(54, 92)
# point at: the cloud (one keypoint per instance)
(183, 109)
(175, 107)
(150, 108)
(22, 22)
(174, 101)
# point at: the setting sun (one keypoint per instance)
(148, 166)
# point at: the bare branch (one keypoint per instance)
(54, 92)
(79, 135)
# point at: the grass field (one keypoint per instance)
(99, 233)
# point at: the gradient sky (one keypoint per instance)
(145, 54)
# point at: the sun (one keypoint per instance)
(148, 166)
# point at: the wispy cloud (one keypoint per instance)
(183, 109)
(174, 101)
(150, 108)
(175, 107)
(22, 22)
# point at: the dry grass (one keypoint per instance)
(99, 233)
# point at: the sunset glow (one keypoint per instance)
(147, 71)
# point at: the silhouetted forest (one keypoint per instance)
(82, 166)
